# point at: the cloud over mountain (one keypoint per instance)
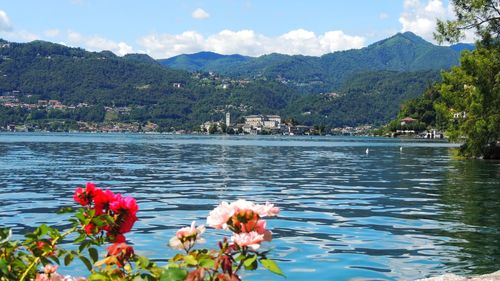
(248, 42)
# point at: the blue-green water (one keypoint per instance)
(346, 215)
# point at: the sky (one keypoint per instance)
(165, 28)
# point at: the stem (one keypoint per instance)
(37, 259)
(244, 252)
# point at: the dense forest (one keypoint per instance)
(137, 88)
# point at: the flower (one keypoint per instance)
(240, 211)
(122, 211)
(267, 210)
(50, 274)
(103, 199)
(122, 253)
(45, 246)
(124, 205)
(243, 218)
(49, 269)
(85, 196)
(219, 216)
(186, 237)
(260, 228)
(248, 239)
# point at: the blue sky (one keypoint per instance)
(164, 28)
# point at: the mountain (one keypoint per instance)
(136, 88)
(463, 46)
(401, 52)
(133, 88)
(204, 61)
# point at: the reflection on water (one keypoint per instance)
(345, 214)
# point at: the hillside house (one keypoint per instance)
(407, 120)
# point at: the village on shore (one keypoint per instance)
(260, 124)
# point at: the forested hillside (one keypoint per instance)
(102, 87)
(404, 52)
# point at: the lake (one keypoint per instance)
(346, 215)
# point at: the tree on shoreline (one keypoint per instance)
(471, 91)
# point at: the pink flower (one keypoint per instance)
(250, 239)
(49, 269)
(260, 228)
(267, 210)
(50, 274)
(219, 216)
(186, 237)
(242, 204)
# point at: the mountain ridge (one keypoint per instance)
(400, 52)
(333, 90)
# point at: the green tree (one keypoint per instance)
(482, 16)
(223, 127)
(212, 129)
(471, 97)
(471, 92)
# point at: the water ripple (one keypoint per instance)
(345, 215)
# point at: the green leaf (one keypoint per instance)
(54, 233)
(86, 262)
(206, 263)
(80, 217)
(55, 259)
(80, 238)
(190, 260)
(250, 263)
(176, 258)
(3, 266)
(173, 274)
(272, 266)
(97, 276)
(44, 229)
(143, 261)
(5, 234)
(93, 254)
(68, 259)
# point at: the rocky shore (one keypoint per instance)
(495, 276)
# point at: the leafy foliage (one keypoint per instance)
(481, 16)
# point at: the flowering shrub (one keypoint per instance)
(105, 217)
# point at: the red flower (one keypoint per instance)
(122, 210)
(85, 196)
(102, 200)
(122, 252)
(90, 229)
(127, 223)
(41, 245)
(124, 205)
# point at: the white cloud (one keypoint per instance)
(97, 43)
(383, 16)
(420, 17)
(200, 14)
(4, 22)
(52, 32)
(248, 42)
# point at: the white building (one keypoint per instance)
(228, 119)
(265, 121)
